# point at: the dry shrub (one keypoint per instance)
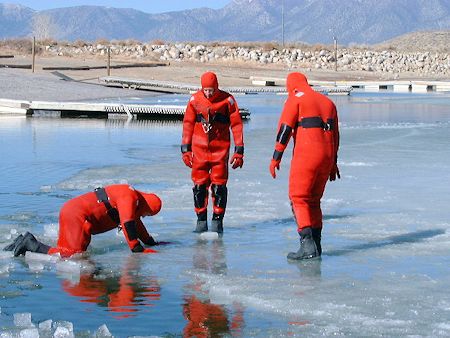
(158, 42)
(102, 41)
(318, 47)
(48, 42)
(268, 46)
(126, 42)
(132, 42)
(20, 45)
(80, 44)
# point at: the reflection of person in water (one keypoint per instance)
(122, 294)
(206, 319)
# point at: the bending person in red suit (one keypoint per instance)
(205, 148)
(96, 212)
(312, 120)
(123, 292)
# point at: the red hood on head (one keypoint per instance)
(152, 203)
(209, 80)
(297, 82)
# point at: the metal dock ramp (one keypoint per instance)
(176, 87)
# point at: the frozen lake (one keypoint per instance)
(386, 238)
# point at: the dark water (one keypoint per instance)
(384, 270)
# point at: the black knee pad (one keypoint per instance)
(219, 193)
(199, 195)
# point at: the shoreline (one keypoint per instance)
(78, 85)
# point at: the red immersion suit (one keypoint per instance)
(206, 142)
(122, 294)
(87, 215)
(312, 120)
(206, 319)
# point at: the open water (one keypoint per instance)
(386, 238)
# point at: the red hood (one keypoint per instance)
(151, 203)
(297, 82)
(209, 80)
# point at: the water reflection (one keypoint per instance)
(123, 293)
(310, 270)
(204, 318)
(111, 122)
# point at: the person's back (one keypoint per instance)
(311, 119)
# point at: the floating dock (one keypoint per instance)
(176, 87)
(399, 86)
(99, 110)
(415, 86)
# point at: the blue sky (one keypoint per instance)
(148, 6)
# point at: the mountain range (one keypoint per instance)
(307, 21)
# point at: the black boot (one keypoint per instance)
(317, 236)
(202, 222)
(217, 223)
(308, 248)
(30, 243)
(12, 246)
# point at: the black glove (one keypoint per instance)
(151, 242)
(138, 248)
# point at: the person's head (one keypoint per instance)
(151, 204)
(210, 85)
(296, 82)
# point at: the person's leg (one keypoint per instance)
(11, 247)
(30, 243)
(306, 186)
(200, 206)
(200, 177)
(219, 191)
(219, 196)
(74, 232)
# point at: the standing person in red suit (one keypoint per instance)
(205, 148)
(312, 120)
(96, 212)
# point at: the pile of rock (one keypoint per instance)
(421, 63)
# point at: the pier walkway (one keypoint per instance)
(87, 109)
(415, 86)
(176, 87)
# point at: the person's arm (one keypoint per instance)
(334, 169)
(189, 120)
(336, 135)
(126, 206)
(143, 234)
(286, 125)
(237, 128)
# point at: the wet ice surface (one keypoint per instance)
(384, 269)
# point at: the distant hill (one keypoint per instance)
(420, 41)
(310, 21)
(14, 20)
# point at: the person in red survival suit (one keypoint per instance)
(205, 148)
(207, 319)
(123, 294)
(96, 212)
(312, 120)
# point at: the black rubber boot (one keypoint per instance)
(30, 243)
(217, 223)
(202, 222)
(12, 246)
(308, 248)
(317, 236)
